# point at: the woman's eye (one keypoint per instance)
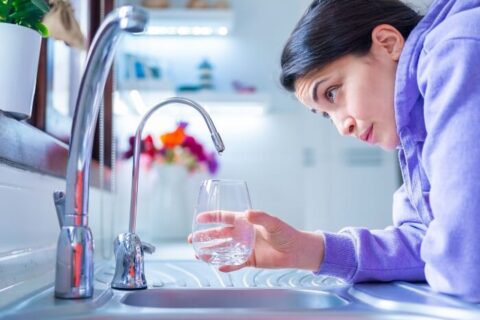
(331, 94)
(324, 114)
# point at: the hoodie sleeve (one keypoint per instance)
(450, 81)
(358, 254)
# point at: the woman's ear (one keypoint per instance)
(388, 39)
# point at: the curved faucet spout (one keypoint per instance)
(125, 19)
(217, 141)
(129, 249)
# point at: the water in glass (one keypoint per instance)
(221, 234)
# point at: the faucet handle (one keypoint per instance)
(148, 248)
(59, 201)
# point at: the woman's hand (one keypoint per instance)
(278, 245)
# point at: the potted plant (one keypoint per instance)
(21, 30)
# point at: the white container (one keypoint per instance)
(18, 69)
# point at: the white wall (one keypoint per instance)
(29, 221)
(29, 230)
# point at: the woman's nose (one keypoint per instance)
(347, 126)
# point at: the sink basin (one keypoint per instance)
(191, 290)
(285, 299)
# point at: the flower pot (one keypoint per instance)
(18, 69)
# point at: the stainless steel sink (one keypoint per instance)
(282, 299)
(188, 290)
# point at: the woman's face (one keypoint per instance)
(356, 93)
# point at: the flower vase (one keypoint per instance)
(170, 217)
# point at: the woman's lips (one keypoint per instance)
(371, 137)
(367, 136)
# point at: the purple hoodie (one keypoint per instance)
(436, 212)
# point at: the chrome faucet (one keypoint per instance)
(74, 266)
(129, 250)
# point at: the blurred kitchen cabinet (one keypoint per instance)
(138, 102)
(182, 21)
(190, 22)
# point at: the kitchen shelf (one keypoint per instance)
(190, 22)
(139, 101)
(229, 100)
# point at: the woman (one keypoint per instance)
(391, 78)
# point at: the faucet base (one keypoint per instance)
(74, 268)
(74, 295)
(127, 288)
(129, 269)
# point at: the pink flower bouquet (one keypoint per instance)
(177, 147)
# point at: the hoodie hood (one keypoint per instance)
(424, 34)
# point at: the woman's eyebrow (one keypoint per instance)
(315, 89)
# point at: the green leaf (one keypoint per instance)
(3, 12)
(42, 5)
(27, 13)
(5, 7)
(40, 27)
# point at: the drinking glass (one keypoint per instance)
(221, 235)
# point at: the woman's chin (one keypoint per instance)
(389, 144)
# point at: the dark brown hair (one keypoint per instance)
(331, 29)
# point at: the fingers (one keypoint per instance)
(205, 257)
(213, 233)
(270, 223)
(230, 268)
(251, 262)
(227, 217)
